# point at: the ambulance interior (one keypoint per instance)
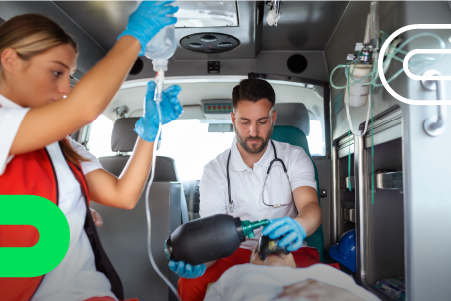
(401, 216)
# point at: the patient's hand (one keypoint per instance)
(314, 290)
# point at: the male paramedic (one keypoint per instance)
(248, 181)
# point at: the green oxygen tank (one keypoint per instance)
(209, 238)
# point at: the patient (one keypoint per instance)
(277, 278)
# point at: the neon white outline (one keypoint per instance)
(380, 66)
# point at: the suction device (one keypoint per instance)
(209, 238)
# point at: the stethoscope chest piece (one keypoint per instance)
(231, 205)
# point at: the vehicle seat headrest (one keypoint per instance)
(294, 114)
(123, 137)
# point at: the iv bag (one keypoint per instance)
(162, 47)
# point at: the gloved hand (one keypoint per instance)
(148, 19)
(185, 270)
(293, 231)
(147, 126)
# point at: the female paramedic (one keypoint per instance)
(38, 111)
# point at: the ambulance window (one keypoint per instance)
(100, 137)
(190, 144)
(316, 139)
(312, 98)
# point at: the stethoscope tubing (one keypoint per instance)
(276, 159)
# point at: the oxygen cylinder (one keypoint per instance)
(209, 238)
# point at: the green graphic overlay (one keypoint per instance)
(54, 236)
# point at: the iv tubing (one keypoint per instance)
(390, 55)
(158, 98)
(374, 74)
(348, 114)
(399, 49)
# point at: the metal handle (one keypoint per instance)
(435, 125)
(361, 206)
(276, 6)
(335, 204)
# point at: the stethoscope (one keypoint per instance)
(231, 204)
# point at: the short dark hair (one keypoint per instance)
(253, 90)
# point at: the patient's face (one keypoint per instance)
(274, 259)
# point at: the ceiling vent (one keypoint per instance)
(247, 34)
(209, 42)
(297, 63)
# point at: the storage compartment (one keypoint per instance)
(347, 196)
(386, 213)
(379, 215)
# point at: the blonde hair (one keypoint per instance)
(30, 35)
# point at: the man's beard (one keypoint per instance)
(253, 149)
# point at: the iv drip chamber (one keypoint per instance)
(358, 92)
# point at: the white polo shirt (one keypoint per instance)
(76, 277)
(246, 184)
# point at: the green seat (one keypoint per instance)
(295, 136)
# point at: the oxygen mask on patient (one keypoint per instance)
(268, 246)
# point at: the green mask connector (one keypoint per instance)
(166, 250)
(248, 227)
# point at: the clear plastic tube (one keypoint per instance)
(159, 86)
(366, 39)
(414, 63)
(375, 72)
(354, 82)
(158, 90)
(348, 114)
(374, 19)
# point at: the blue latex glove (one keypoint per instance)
(148, 19)
(147, 126)
(293, 231)
(185, 270)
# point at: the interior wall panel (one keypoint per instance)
(426, 162)
(270, 62)
(426, 165)
(323, 167)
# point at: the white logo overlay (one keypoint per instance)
(406, 66)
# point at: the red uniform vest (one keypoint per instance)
(33, 174)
